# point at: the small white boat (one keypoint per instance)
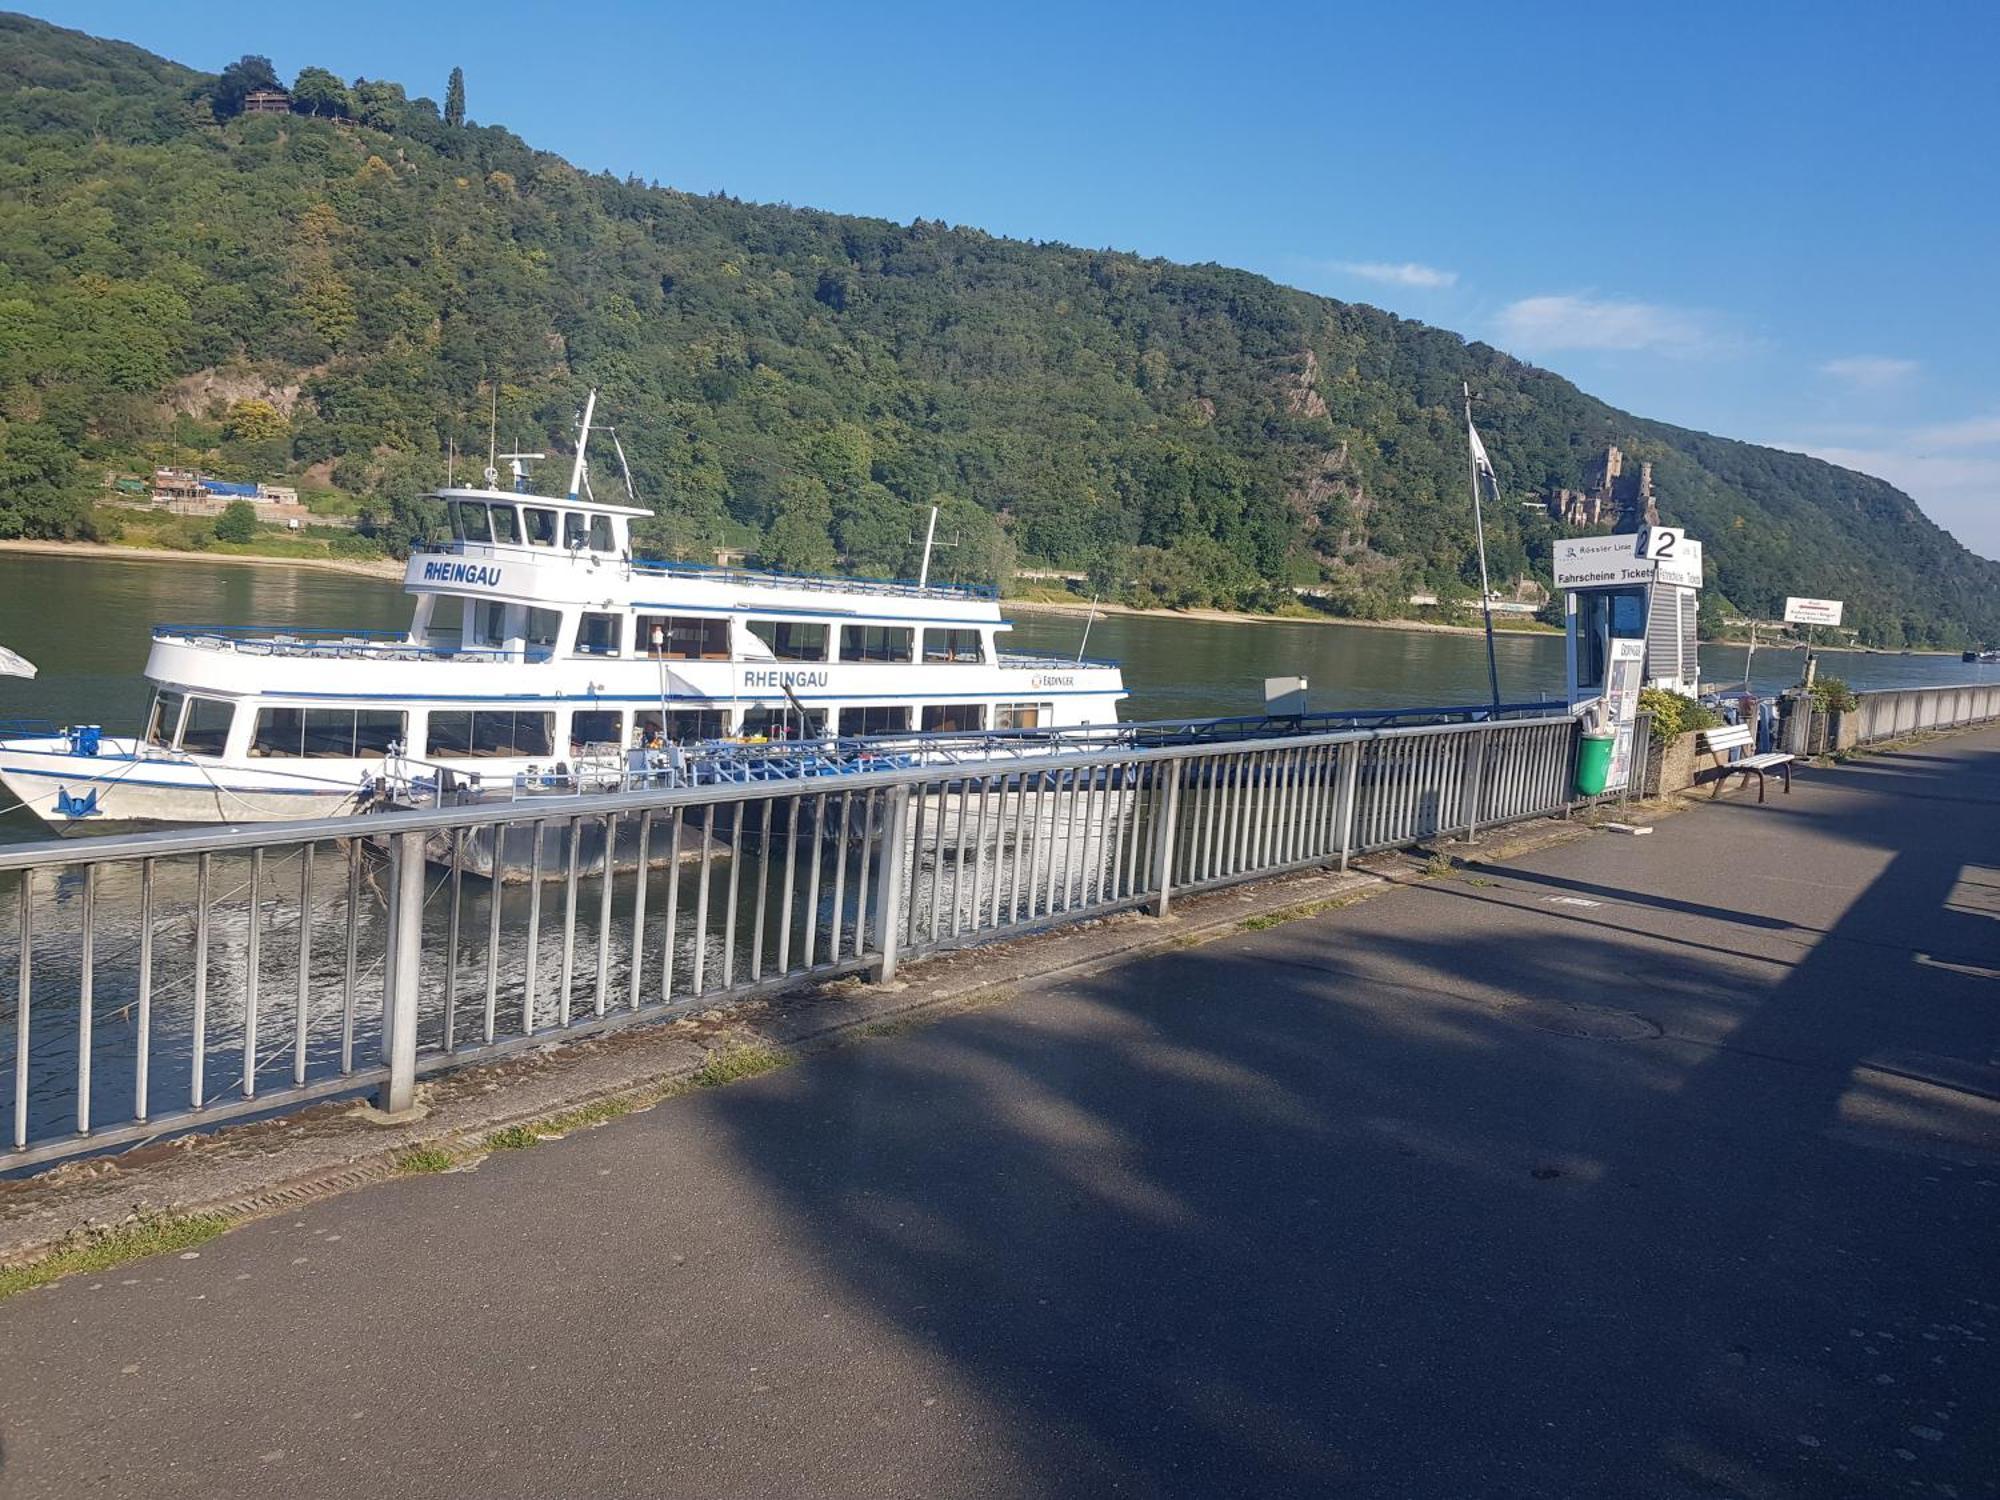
(539, 642)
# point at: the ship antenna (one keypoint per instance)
(582, 442)
(493, 439)
(930, 533)
(630, 493)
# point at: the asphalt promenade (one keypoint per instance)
(1660, 1166)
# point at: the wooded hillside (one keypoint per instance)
(327, 297)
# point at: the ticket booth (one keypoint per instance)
(1636, 586)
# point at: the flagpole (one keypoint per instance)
(1479, 530)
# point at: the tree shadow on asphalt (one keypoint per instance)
(1327, 1209)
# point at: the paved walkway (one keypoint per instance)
(1642, 1167)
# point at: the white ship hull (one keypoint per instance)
(122, 788)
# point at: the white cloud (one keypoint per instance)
(1583, 321)
(1870, 372)
(1393, 273)
(1973, 432)
(1951, 469)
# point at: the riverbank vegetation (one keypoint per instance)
(339, 298)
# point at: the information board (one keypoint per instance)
(1660, 554)
(1813, 611)
(1621, 707)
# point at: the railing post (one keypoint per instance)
(1475, 794)
(1163, 860)
(1349, 779)
(890, 873)
(399, 982)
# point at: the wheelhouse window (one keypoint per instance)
(492, 623)
(458, 734)
(506, 523)
(785, 723)
(596, 726)
(600, 534)
(875, 643)
(1023, 715)
(684, 637)
(206, 730)
(791, 640)
(327, 733)
(469, 521)
(574, 533)
(953, 718)
(541, 631)
(875, 718)
(944, 644)
(540, 526)
(598, 634)
(165, 720)
(682, 726)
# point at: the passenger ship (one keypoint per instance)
(538, 640)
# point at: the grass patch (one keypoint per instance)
(100, 1251)
(425, 1159)
(584, 1116)
(736, 1062)
(513, 1138)
(1438, 865)
(1269, 919)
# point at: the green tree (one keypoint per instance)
(237, 523)
(253, 420)
(318, 92)
(239, 80)
(454, 98)
(41, 493)
(799, 540)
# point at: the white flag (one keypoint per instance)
(1479, 459)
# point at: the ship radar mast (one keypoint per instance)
(582, 443)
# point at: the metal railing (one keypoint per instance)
(172, 980)
(1895, 712)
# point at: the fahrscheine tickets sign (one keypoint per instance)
(1660, 554)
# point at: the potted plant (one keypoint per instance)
(1675, 720)
(1833, 701)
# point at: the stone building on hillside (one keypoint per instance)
(1612, 497)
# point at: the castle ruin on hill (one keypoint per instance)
(1612, 496)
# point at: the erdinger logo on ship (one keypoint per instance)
(458, 572)
(1045, 680)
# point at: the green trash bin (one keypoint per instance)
(1593, 762)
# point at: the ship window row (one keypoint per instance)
(328, 733)
(200, 726)
(537, 525)
(706, 638)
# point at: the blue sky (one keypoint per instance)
(1774, 221)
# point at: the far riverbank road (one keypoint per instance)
(1639, 1167)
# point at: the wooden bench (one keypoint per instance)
(1719, 742)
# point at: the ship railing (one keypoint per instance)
(337, 644)
(1034, 661)
(159, 983)
(900, 587)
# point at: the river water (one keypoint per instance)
(86, 622)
